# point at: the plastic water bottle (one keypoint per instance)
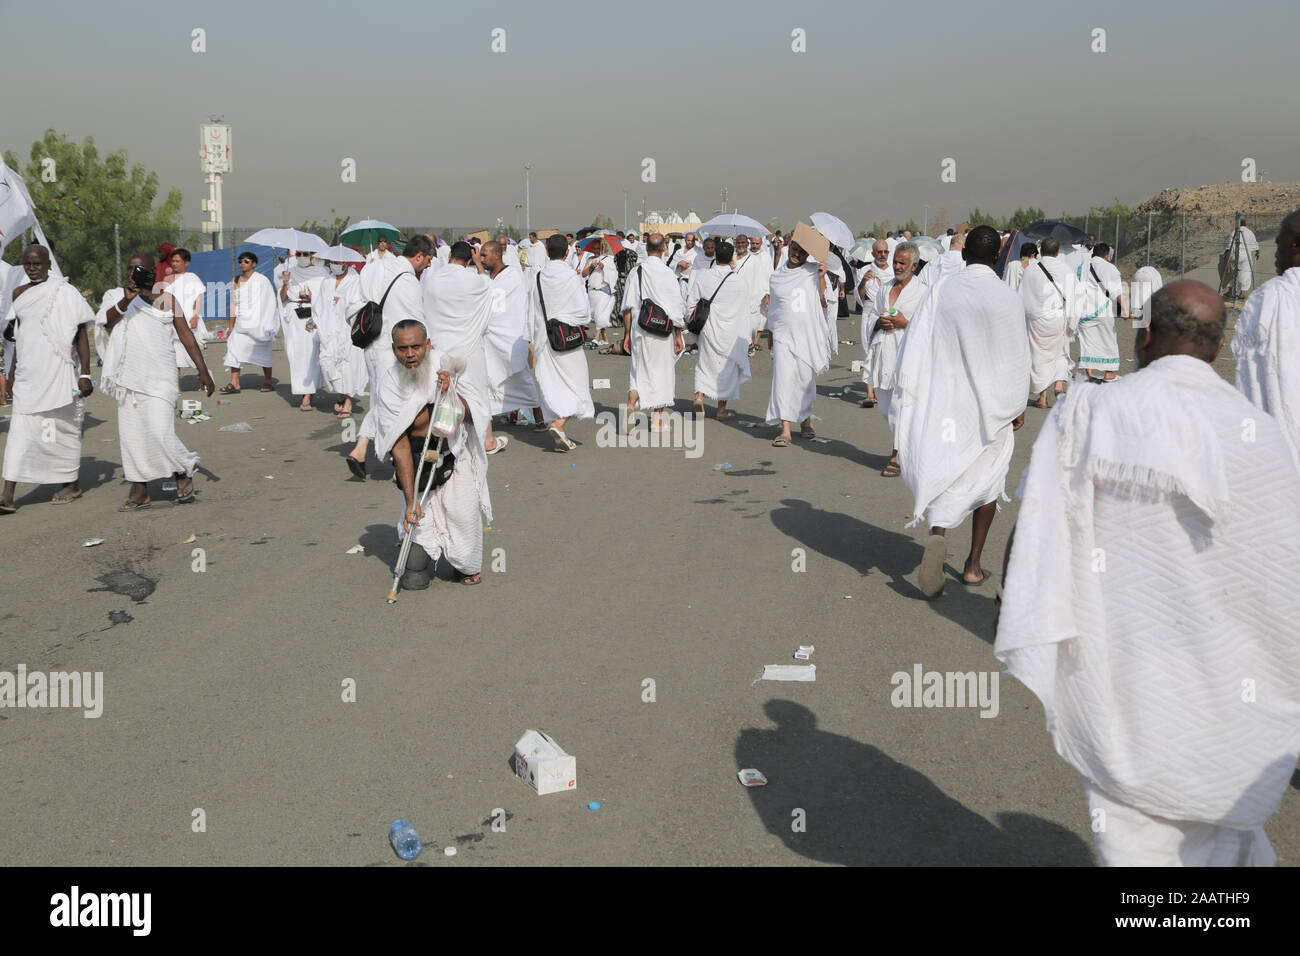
(406, 842)
(78, 407)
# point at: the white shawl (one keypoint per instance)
(457, 310)
(49, 314)
(507, 334)
(256, 308)
(962, 377)
(795, 314)
(141, 358)
(1266, 345)
(1150, 602)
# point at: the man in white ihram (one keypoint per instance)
(398, 277)
(43, 446)
(1247, 256)
(139, 374)
(555, 292)
(510, 383)
(1047, 288)
(959, 394)
(723, 364)
(452, 523)
(652, 379)
(800, 351)
(1150, 601)
(1266, 341)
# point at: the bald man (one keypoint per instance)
(1150, 600)
(43, 446)
(1266, 341)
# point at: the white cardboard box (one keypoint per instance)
(542, 764)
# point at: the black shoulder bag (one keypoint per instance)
(369, 322)
(652, 318)
(561, 336)
(700, 314)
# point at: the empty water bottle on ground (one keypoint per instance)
(406, 842)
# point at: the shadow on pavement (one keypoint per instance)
(863, 808)
(865, 547)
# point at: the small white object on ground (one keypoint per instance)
(91, 542)
(237, 427)
(752, 778)
(600, 383)
(804, 653)
(797, 672)
(356, 549)
(449, 851)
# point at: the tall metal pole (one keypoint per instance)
(528, 200)
(1149, 215)
(624, 212)
(1182, 251)
(117, 252)
(925, 229)
(1117, 237)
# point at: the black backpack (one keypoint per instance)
(700, 314)
(369, 322)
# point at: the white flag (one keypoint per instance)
(18, 213)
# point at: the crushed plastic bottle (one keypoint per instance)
(405, 841)
(725, 466)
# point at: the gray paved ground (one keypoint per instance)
(223, 688)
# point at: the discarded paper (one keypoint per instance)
(799, 672)
(91, 542)
(356, 549)
(752, 778)
(542, 764)
(237, 427)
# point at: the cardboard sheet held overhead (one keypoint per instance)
(813, 242)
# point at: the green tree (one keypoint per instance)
(977, 217)
(602, 222)
(1110, 212)
(1023, 217)
(329, 231)
(79, 196)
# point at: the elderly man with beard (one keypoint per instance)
(874, 275)
(452, 526)
(891, 311)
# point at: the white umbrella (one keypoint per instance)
(733, 224)
(833, 228)
(290, 239)
(371, 224)
(861, 250)
(341, 254)
(930, 249)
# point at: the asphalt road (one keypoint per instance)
(223, 688)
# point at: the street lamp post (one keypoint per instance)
(528, 208)
(925, 227)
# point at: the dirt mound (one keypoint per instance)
(1224, 199)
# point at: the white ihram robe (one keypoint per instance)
(562, 382)
(652, 374)
(301, 345)
(1047, 321)
(882, 344)
(255, 307)
(187, 289)
(600, 291)
(342, 364)
(1266, 345)
(1098, 345)
(405, 301)
(141, 375)
(722, 365)
(1143, 670)
(510, 383)
(800, 351)
(961, 380)
(44, 442)
(455, 511)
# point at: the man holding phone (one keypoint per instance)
(138, 372)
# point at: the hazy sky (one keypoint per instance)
(859, 124)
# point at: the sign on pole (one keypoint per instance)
(214, 148)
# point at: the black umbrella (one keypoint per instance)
(586, 231)
(1062, 232)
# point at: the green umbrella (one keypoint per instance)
(368, 232)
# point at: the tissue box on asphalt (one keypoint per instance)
(542, 764)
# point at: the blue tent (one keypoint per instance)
(219, 267)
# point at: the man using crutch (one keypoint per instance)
(444, 491)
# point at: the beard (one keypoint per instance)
(423, 378)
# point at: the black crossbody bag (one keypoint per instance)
(700, 314)
(369, 322)
(652, 318)
(561, 336)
